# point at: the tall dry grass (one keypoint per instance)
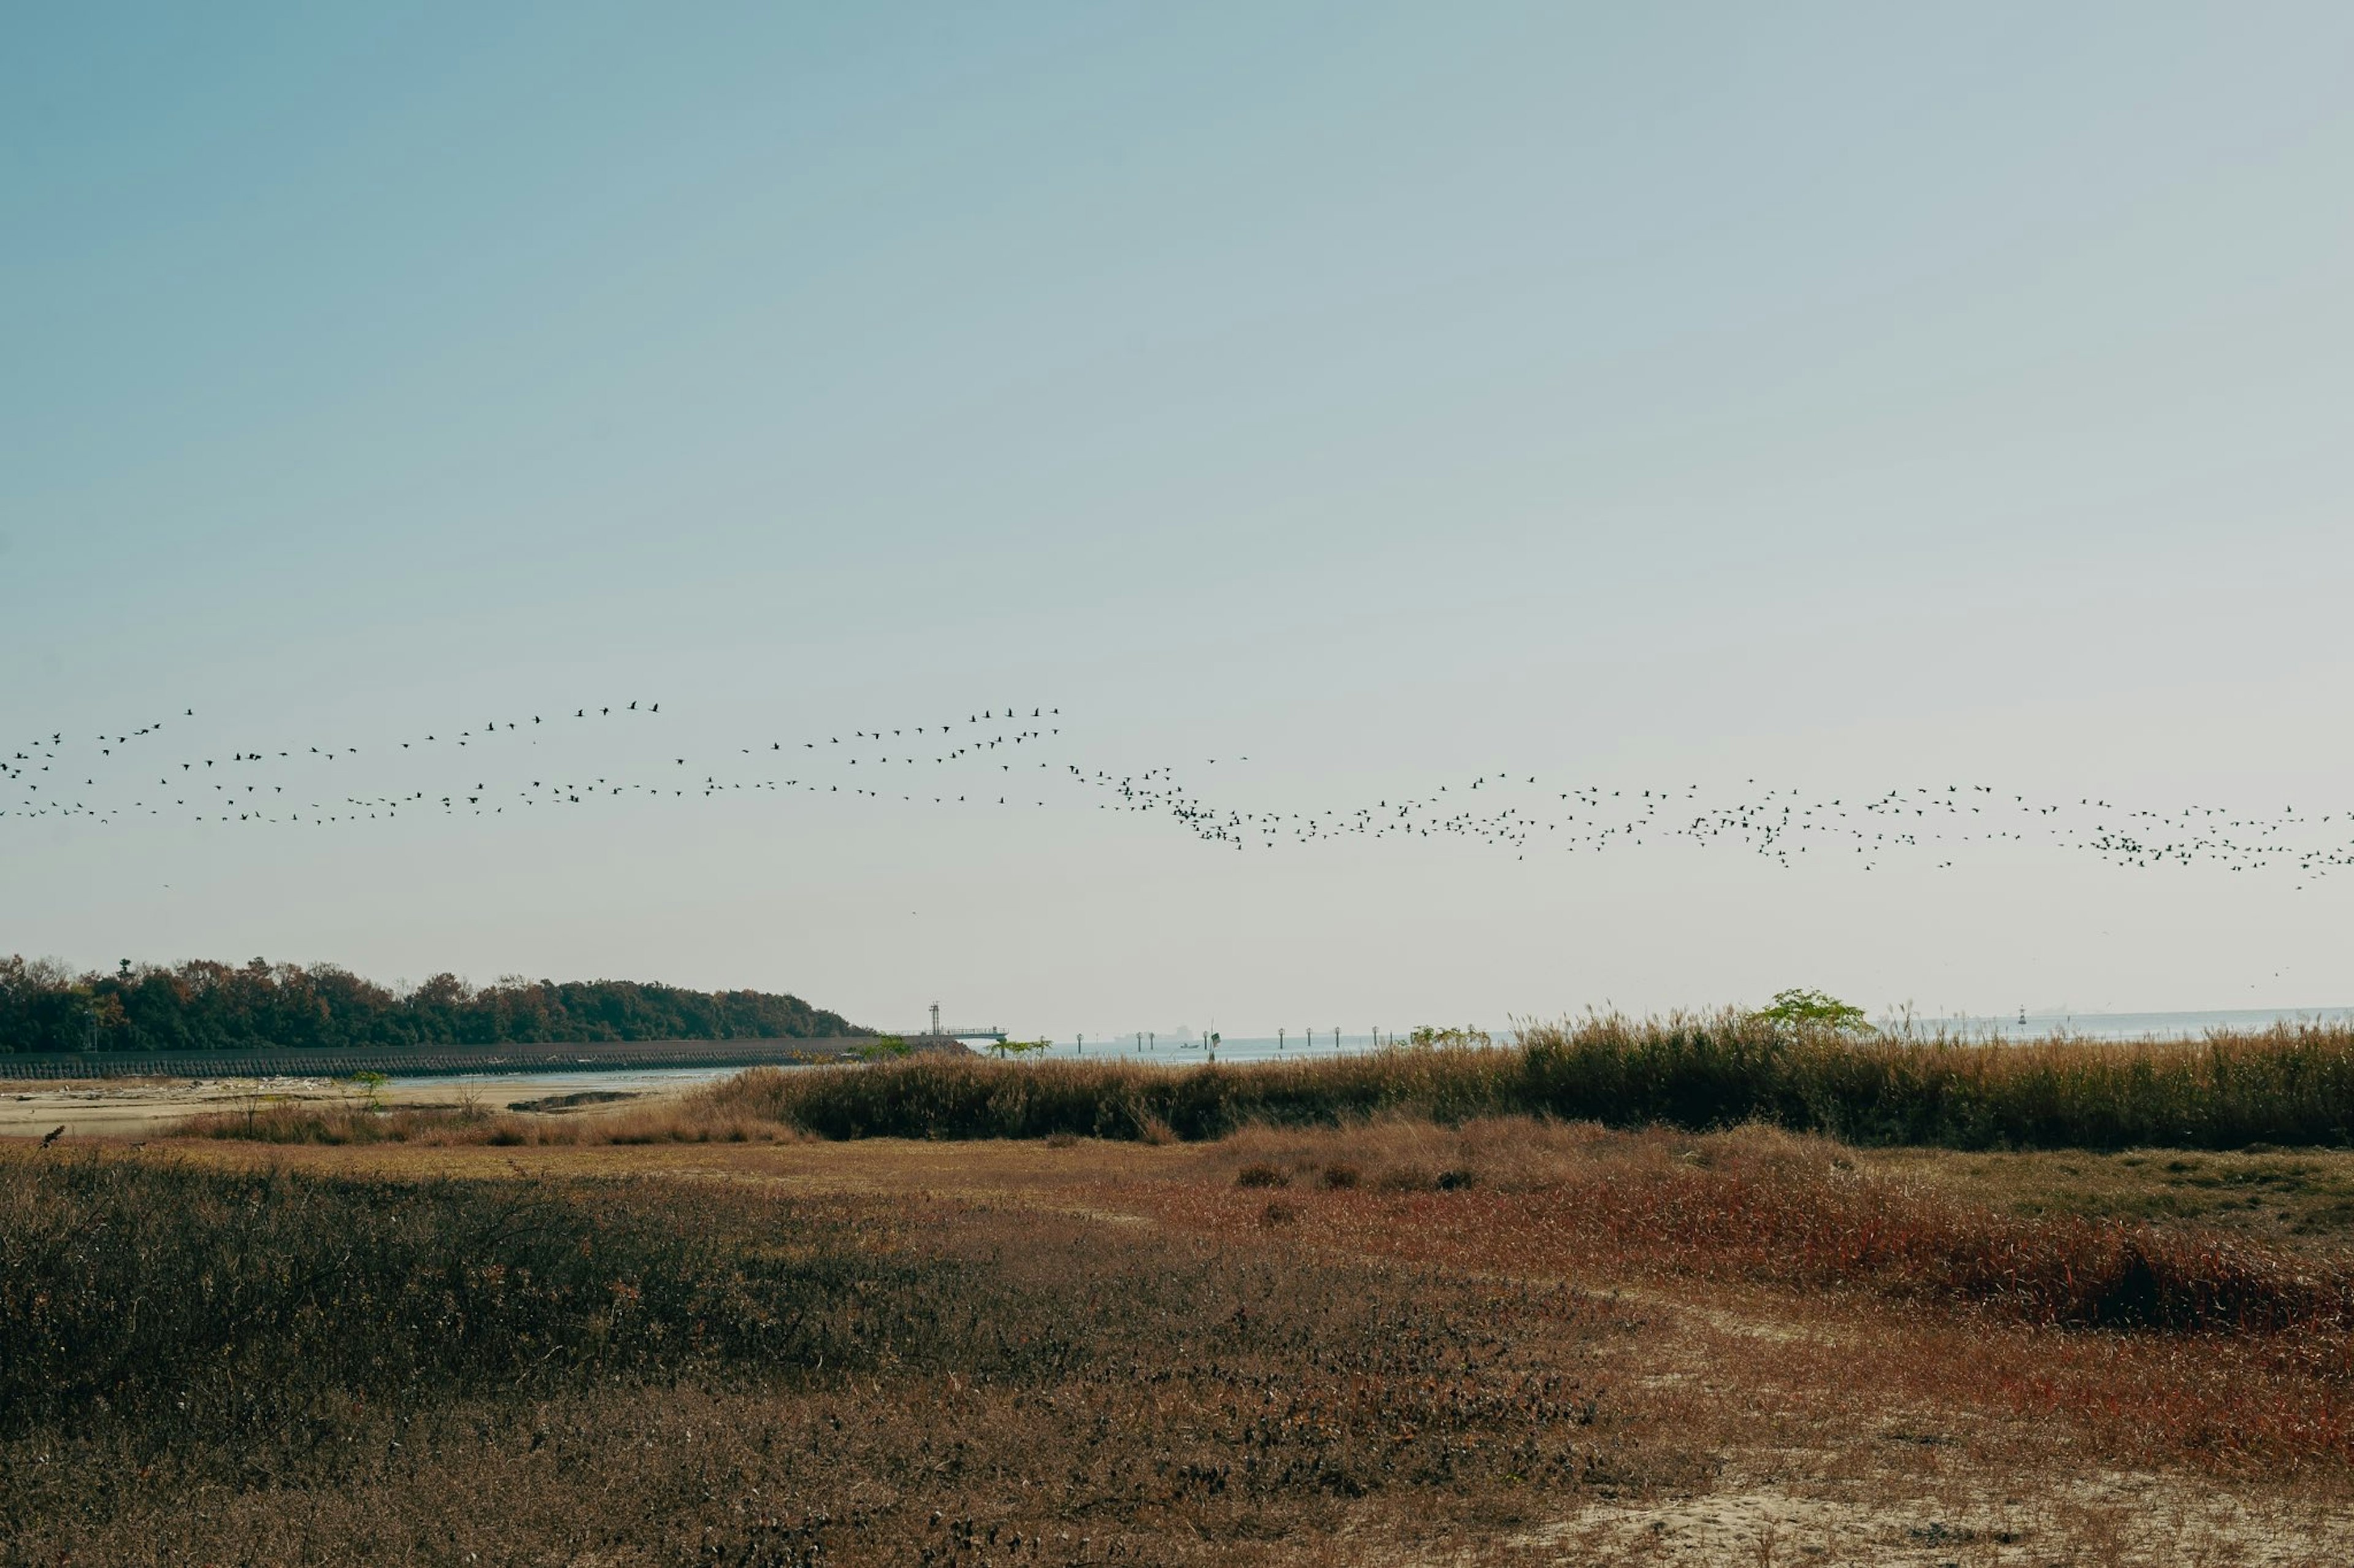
(1758, 1204)
(208, 1365)
(691, 1119)
(2158, 1338)
(184, 1298)
(2293, 1085)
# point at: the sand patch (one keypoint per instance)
(2113, 1517)
(105, 1109)
(151, 1107)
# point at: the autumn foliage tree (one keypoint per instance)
(202, 1005)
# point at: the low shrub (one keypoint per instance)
(1759, 1203)
(692, 1120)
(188, 1296)
(202, 1364)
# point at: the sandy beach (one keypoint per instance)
(149, 1107)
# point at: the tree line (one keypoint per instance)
(202, 1005)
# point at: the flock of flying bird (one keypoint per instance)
(254, 787)
(998, 757)
(1517, 814)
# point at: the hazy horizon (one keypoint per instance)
(1849, 400)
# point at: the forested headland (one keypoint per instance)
(201, 1005)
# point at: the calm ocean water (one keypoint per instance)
(2138, 1025)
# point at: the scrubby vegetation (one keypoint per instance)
(699, 1119)
(2208, 1341)
(1759, 1203)
(207, 1364)
(1279, 1346)
(2290, 1085)
(187, 1300)
(206, 1006)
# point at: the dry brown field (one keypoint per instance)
(1511, 1342)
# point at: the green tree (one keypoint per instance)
(202, 1005)
(1427, 1038)
(1804, 1008)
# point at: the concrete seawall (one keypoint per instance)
(588, 1055)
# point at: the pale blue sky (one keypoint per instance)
(1861, 395)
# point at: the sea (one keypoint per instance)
(2129, 1025)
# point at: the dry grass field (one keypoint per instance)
(1510, 1340)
